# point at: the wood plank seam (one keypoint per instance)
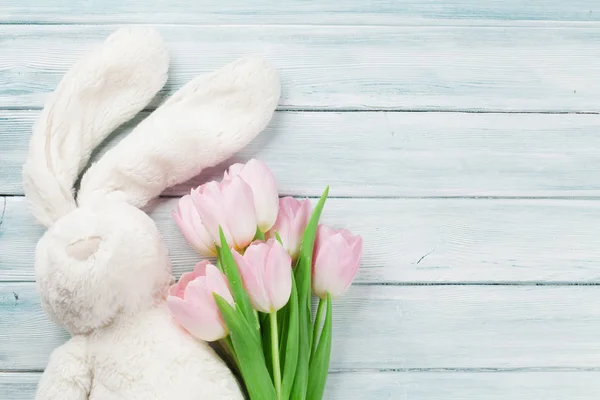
(382, 110)
(495, 242)
(439, 68)
(405, 370)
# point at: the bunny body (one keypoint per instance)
(102, 269)
(148, 357)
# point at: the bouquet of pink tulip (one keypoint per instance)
(272, 254)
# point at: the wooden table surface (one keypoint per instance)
(461, 138)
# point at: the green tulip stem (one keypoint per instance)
(322, 303)
(275, 353)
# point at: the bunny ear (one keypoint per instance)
(99, 93)
(204, 123)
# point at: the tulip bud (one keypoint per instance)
(190, 224)
(266, 270)
(336, 258)
(264, 190)
(291, 223)
(228, 204)
(192, 304)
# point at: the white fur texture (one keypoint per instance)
(99, 93)
(208, 120)
(125, 344)
(102, 270)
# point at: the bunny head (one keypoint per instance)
(102, 257)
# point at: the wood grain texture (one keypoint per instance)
(379, 154)
(18, 386)
(406, 240)
(384, 12)
(396, 327)
(463, 386)
(412, 385)
(544, 67)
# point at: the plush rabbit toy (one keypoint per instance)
(101, 268)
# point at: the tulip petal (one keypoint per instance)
(217, 283)
(250, 265)
(179, 288)
(233, 171)
(357, 249)
(334, 268)
(211, 189)
(324, 232)
(200, 268)
(241, 217)
(292, 220)
(205, 242)
(186, 225)
(256, 256)
(325, 268)
(348, 236)
(182, 311)
(278, 275)
(199, 295)
(289, 205)
(195, 320)
(264, 188)
(299, 224)
(212, 214)
(282, 224)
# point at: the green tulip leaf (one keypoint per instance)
(265, 327)
(278, 238)
(319, 364)
(219, 265)
(303, 280)
(249, 354)
(259, 235)
(230, 269)
(289, 352)
(282, 324)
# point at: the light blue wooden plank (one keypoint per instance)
(18, 386)
(385, 12)
(373, 385)
(393, 154)
(543, 67)
(406, 240)
(396, 327)
(464, 386)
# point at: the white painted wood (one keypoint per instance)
(543, 67)
(464, 386)
(394, 154)
(374, 385)
(18, 386)
(407, 240)
(383, 12)
(396, 327)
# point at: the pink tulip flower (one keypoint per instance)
(266, 270)
(291, 223)
(230, 205)
(264, 189)
(190, 224)
(193, 306)
(336, 258)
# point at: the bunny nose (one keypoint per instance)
(83, 249)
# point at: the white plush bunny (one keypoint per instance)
(101, 268)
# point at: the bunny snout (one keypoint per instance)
(99, 263)
(83, 249)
